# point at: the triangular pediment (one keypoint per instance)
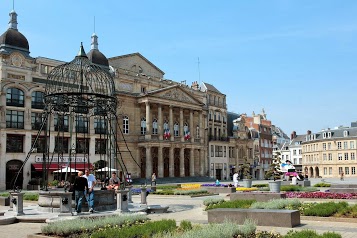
(175, 93)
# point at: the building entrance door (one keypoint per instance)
(12, 169)
(219, 174)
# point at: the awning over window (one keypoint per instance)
(52, 167)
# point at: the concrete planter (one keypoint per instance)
(274, 186)
(247, 183)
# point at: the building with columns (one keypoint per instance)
(161, 124)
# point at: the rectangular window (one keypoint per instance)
(346, 156)
(353, 170)
(347, 170)
(60, 123)
(340, 170)
(330, 170)
(329, 146)
(212, 151)
(325, 171)
(14, 119)
(300, 152)
(339, 145)
(324, 156)
(100, 146)
(352, 144)
(294, 152)
(345, 145)
(61, 145)
(339, 156)
(100, 126)
(353, 156)
(330, 156)
(36, 121)
(14, 143)
(82, 124)
(82, 145)
(323, 146)
(40, 146)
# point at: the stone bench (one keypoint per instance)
(4, 201)
(219, 189)
(258, 196)
(262, 217)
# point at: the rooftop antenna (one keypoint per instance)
(13, 4)
(94, 24)
(199, 73)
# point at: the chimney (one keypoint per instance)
(309, 132)
(293, 135)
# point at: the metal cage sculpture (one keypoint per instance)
(76, 92)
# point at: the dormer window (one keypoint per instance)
(329, 135)
(143, 89)
(345, 133)
(324, 135)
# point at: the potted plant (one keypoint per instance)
(33, 184)
(274, 173)
(247, 177)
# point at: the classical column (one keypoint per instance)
(182, 162)
(148, 162)
(160, 122)
(181, 133)
(171, 123)
(202, 128)
(160, 163)
(192, 162)
(201, 162)
(191, 127)
(171, 162)
(148, 119)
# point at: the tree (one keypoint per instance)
(246, 169)
(274, 169)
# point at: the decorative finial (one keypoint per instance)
(81, 52)
(13, 19)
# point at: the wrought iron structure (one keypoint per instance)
(76, 92)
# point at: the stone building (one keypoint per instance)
(330, 152)
(161, 128)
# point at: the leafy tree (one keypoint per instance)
(246, 169)
(274, 168)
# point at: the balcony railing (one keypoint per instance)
(37, 105)
(218, 138)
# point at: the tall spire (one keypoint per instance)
(81, 51)
(13, 20)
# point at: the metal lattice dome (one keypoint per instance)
(80, 84)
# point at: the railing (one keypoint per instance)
(37, 105)
(218, 138)
(15, 103)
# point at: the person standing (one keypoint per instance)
(153, 179)
(235, 179)
(90, 193)
(79, 186)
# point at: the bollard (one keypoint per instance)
(65, 204)
(130, 200)
(18, 203)
(122, 200)
(143, 196)
(11, 205)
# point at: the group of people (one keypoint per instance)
(84, 188)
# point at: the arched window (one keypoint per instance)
(166, 125)
(14, 97)
(176, 129)
(143, 126)
(154, 126)
(185, 128)
(126, 125)
(37, 100)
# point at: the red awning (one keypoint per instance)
(52, 167)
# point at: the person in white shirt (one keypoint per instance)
(235, 179)
(91, 183)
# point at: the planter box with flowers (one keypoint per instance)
(247, 180)
(275, 173)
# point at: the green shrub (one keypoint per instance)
(263, 185)
(322, 185)
(310, 234)
(231, 204)
(292, 204)
(163, 192)
(325, 209)
(185, 225)
(224, 230)
(31, 196)
(211, 201)
(350, 211)
(166, 187)
(148, 229)
(5, 194)
(190, 192)
(88, 225)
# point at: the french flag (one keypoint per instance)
(167, 133)
(187, 135)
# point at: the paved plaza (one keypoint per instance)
(187, 208)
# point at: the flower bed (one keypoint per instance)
(324, 195)
(188, 186)
(243, 189)
(138, 190)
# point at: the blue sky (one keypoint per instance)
(296, 59)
